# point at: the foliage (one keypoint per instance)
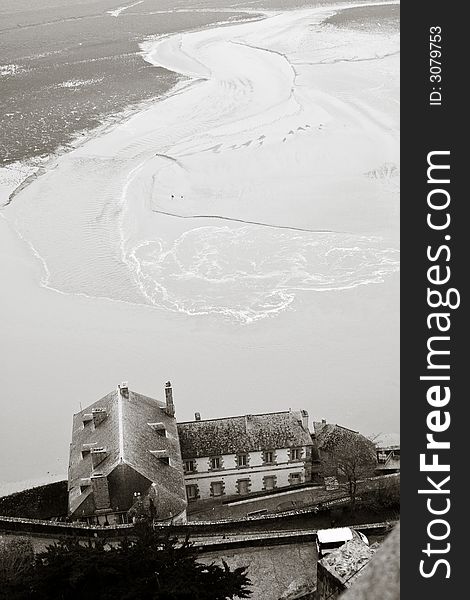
(42, 502)
(384, 497)
(16, 557)
(149, 567)
(350, 455)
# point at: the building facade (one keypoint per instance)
(239, 456)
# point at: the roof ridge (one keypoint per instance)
(279, 412)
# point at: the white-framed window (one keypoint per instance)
(216, 463)
(295, 453)
(242, 460)
(217, 488)
(268, 456)
(189, 466)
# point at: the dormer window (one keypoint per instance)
(98, 416)
(86, 449)
(162, 455)
(98, 455)
(159, 428)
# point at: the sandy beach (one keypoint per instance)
(239, 237)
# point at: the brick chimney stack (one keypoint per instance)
(124, 389)
(170, 407)
(99, 484)
(304, 414)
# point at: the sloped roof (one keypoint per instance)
(387, 440)
(328, 434)
(247, 433)
(128, 439)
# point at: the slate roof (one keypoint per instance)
(128, 439)
(246, 433)
(327, 434)
(387, 440)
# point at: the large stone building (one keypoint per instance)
(125, 455)
(129, 454)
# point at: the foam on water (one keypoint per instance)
(248, 273)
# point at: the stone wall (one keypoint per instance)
(328, 586)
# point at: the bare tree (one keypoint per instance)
(349, 455)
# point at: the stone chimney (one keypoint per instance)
(197, 416)
(170, 407)
(304, 414)
(99, 484)
(124, 389)
(98, 415)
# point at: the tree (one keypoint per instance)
(150, 566)
(351, 456)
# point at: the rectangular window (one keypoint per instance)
(242, 460)
(189, 466)
(269, 457)
(216, 462)
(295, 478)
(382, 457)
(269, 483)
(217, 488)
(243, 486)
(295, 453)
(191, 492)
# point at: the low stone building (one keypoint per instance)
(125, 457)
(237, 456)
(344, 453)
(388, 454)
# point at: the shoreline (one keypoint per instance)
(43, 163)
